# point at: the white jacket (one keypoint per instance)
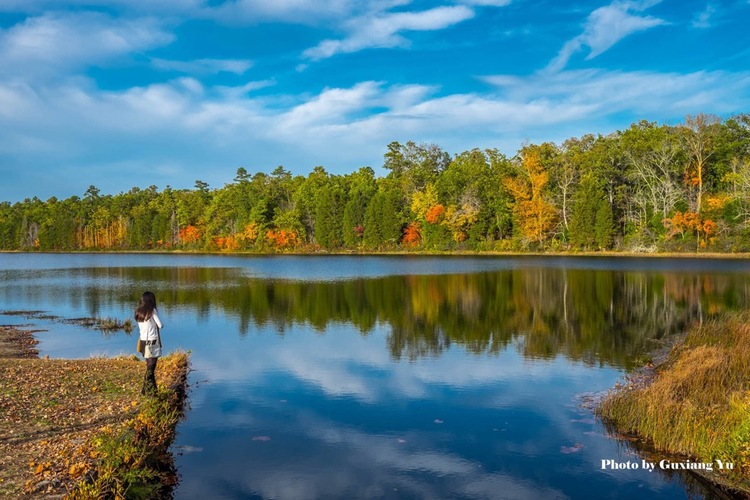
(148, 327)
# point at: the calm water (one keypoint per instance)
(389, 377)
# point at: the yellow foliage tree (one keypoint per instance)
(423, 201)
(460, 218)
(249, 234)
(534, 214)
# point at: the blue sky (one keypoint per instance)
(123, 93)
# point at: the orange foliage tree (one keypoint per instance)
(189, 234)
(699, 133)
(433, 213)
(249, 234)
(226, 243)
(690, 222)
(412, 235)
(282, 238)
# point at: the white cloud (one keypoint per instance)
(204, 66)
(160, 7)
(380, 30)
(241, 91)
(225, 11)
(642, 93)
(604, 28)
(72, 124)
(297, 11)
(488, 3)
(330, 106)
(60, 43)
(703, 18)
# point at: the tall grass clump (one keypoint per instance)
(698, 402)
(134, 461)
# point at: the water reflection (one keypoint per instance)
(380, 384)
(341, 421)
(594, 316)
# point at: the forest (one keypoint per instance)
(649, 188)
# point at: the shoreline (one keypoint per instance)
(623, 410)
(18, 343)
(65, 422)
(403, 253)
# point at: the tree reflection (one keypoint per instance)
(592, 316)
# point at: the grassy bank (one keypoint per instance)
(80, 427)
(696, 405)
(133, 460)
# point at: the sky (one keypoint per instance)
(124, 93)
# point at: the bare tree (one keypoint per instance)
(654, 172)
(699, 134)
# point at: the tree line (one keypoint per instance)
(651, 187)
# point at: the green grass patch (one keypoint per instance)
(698, 402)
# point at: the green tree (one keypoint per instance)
(361, 188)
(414, 165)
(591, 223)
(306, 199)
(383, 219)
(604, 226)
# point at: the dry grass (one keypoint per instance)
(698, 402)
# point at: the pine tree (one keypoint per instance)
(592, 223)
(604, 226)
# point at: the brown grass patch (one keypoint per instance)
(698, 403)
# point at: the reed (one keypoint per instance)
(697, 404)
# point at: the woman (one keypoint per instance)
(149, 325)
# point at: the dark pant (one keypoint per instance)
(149, 381)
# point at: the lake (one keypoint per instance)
(389, 377)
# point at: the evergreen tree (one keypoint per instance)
(604, 226)
(587, 203)
(328, 218)
(373, 235)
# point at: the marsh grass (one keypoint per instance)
(698, 402)
(106, 325)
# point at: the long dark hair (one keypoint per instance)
(146, 307)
